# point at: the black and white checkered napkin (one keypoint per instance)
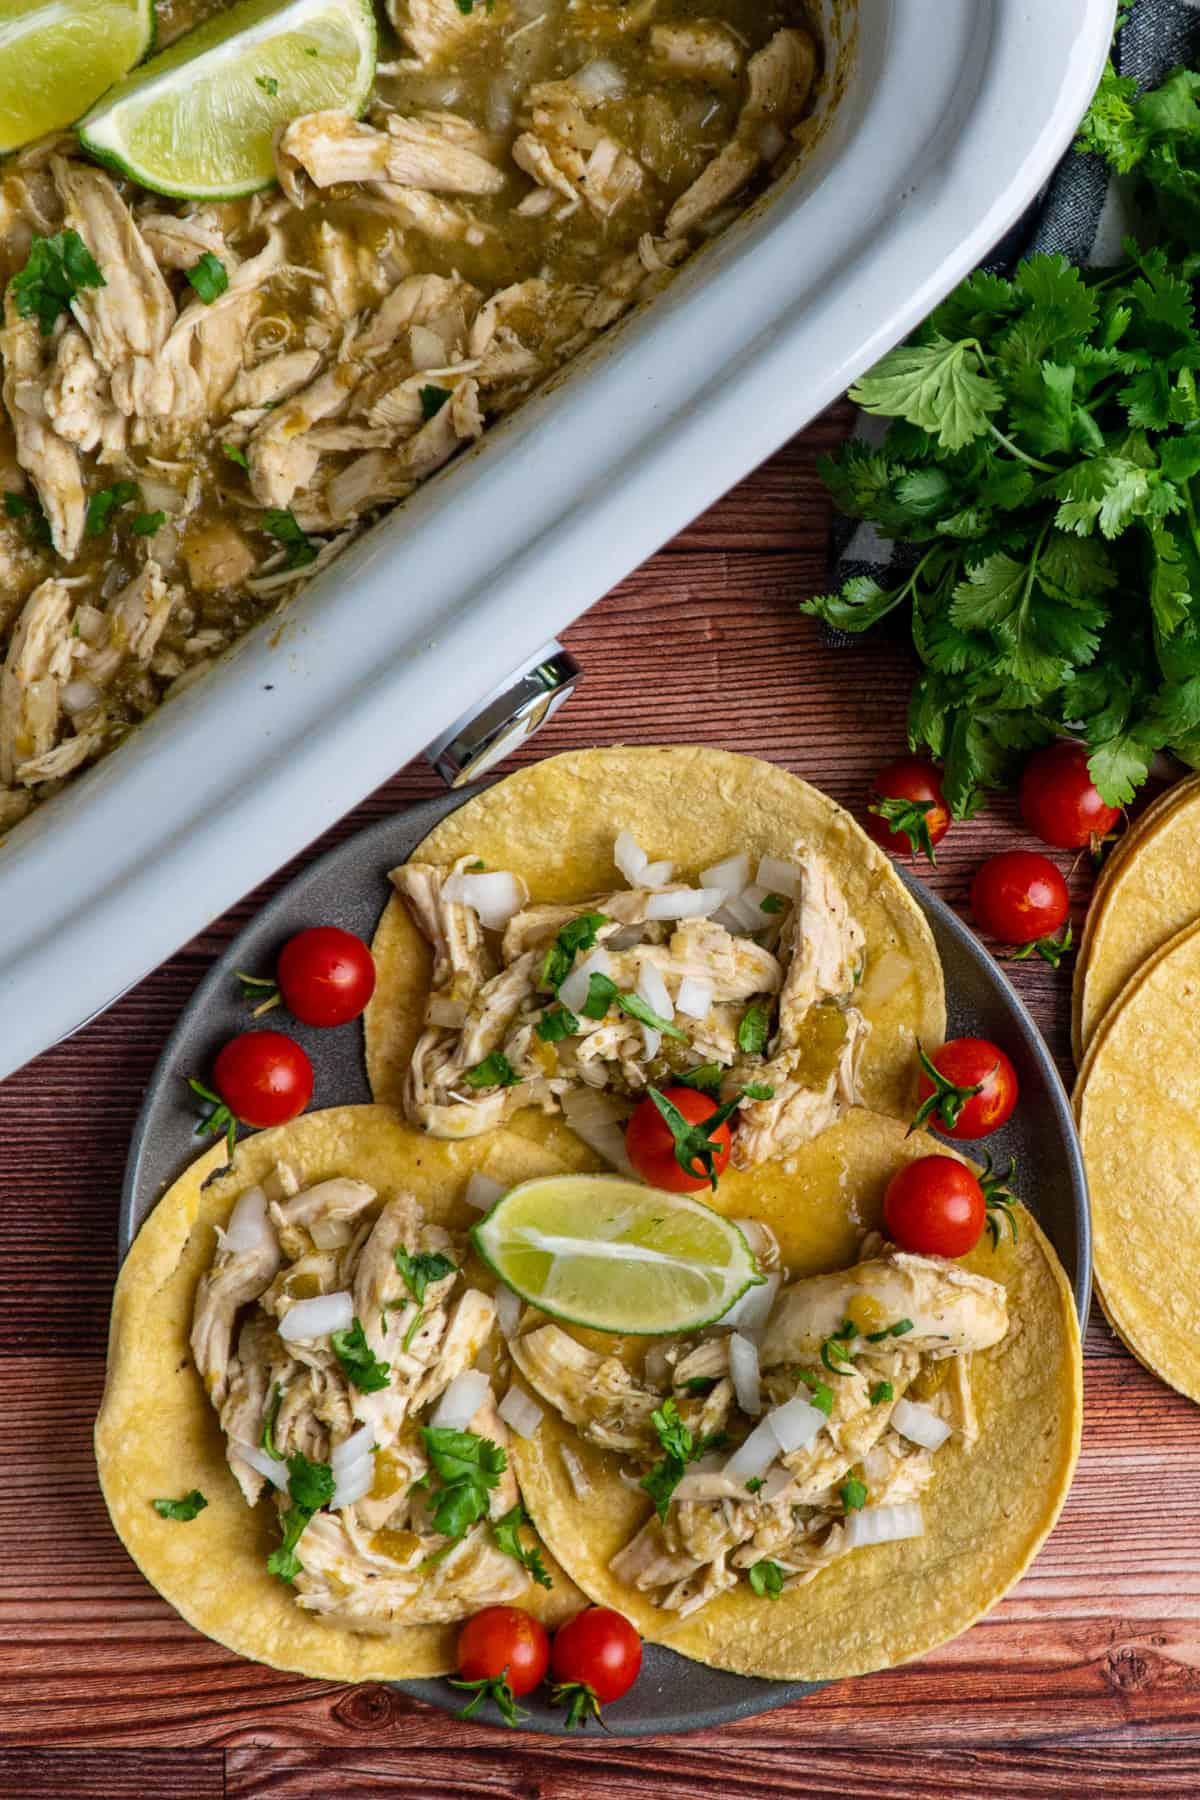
(1079, 213)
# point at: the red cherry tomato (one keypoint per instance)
(1060, 802)
(906, 809)
(596, 1658)
(504, 1644)
(935, 1207)
(650, 1142)
(326, 975)
(263, 1077)
(947, 1102)
(1019, 897)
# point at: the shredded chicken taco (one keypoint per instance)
(303, 1441)
(611, 920)
(852, 1466)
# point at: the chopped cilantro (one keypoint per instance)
(900, 1329)
(834, 1352)
(33, 520)
(55, 271)
(602, 991)
(700, 1385)
(576, 935)
(507, 1533)
(468, 1467)
(268, 84)
(754, 1028)
(146, 524)
(422, 1268)
(310, 1485)
(183, 1510)
(820, 1394)
(360, 1365)
(766, 1578)
(105, 502)
(556, 1023)
(432, 400)
(754, 1484)
(772, 903)
(883, 1390)
(235, 455)
(853, 1494)
(209, 277)
(758, 1090)
(494, 1071)
(281, 523)
(637, 1008)
(681, 1447)
(706, 1079)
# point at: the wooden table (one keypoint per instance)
(1084, 1683)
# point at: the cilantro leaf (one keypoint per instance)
(576, 935)
(507, 1533)
(602, 991)
(681, 1447)
(360, 1365)
(936, 386)
(432, 400)
(310, 1485)
(706, 1079)
(853, 1494)
(182, 1510)
(494, 1071)
(55, 271)
(420, 1269)
(754, 1028)
(468, 1467)
(639, 1009)
(209, 277)
(105, 502)
(820, 1394)
(766, 1578)
(281, 523)
(556, 1023)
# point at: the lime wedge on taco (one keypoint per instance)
(600, 1251)
(58, 56)
(197, 121)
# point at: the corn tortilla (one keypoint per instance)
(554, 824)
(987, 1510)
(157, 1435)
(1143, 1161)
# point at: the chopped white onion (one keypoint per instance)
(771, 140)
(752, 1311)
(599, 79)
(684, 903)
(629, 856)
(746, 908)
(521, 1412)
(354, 1482)
(576, 1473)
(756, 1455)
(440, 1010)
(501, 101)
(743, 1366)
(317, 1318)
(795, 1424)
(778, 877)
(359, 1443)
(600, 1121)
(653, 990)
(90, 623)
(651, 1042)
(272, 1467)
(330, 1234)
(249, 1228)
(494, 896)
(694, 998)
(731, 876)
(574, 991)
(773, 1486)
(462, 1400)
(592, 1074)
(509, 1307)
(729, 921)
(426, 347)
(656, 875)
(80, 694)
(884, 1525)
(920, 1425)
(482, 1192)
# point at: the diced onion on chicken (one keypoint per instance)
(353, 1482)
(599, 80)
(273, 1468)
(509, 1307)
(629, 856)
(778, 877)
(317, 1318)
(752, 1311)
(655, 875)
(574, 991)
(521, 1412)
(920, 1424)
(597, 1118)
(884, 1525)
(755, 1456)
(653, 990)
(461, 1401)
(359, 1444)
(683, 903)
(695, 997)
(743, 1366)
(493, 896)
(731, 876)
(249, 1228)
(482, 1192)
(795, 1424)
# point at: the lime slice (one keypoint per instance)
(58, 56)
(197, 121)
(601, 1251)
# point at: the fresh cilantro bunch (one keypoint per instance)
(1043, 466)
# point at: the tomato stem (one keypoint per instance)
(581, 1702)
(491, 1687)
(947, 1100)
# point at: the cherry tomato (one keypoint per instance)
(326, 975)
(504, 1643)
(1060, 802)
(596, 1658)
(650, 1142)
(263, 1077)
(906, 810)
(1019, 897)
(935, 1207)
(972, 1092)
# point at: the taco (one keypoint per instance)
(846, 1485)
(349, 1473)
(609, 920)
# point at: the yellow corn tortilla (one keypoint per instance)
(987, 1511)
(158, 1436)
(1148, 891)
(1143, 1161)
(554, 824)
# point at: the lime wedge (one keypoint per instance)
(197, 121)
(58, 56)
(601, 1251)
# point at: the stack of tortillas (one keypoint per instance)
(1137, 1040)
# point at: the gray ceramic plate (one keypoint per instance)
(349, 887)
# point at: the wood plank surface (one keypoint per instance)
(1085, 1682)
